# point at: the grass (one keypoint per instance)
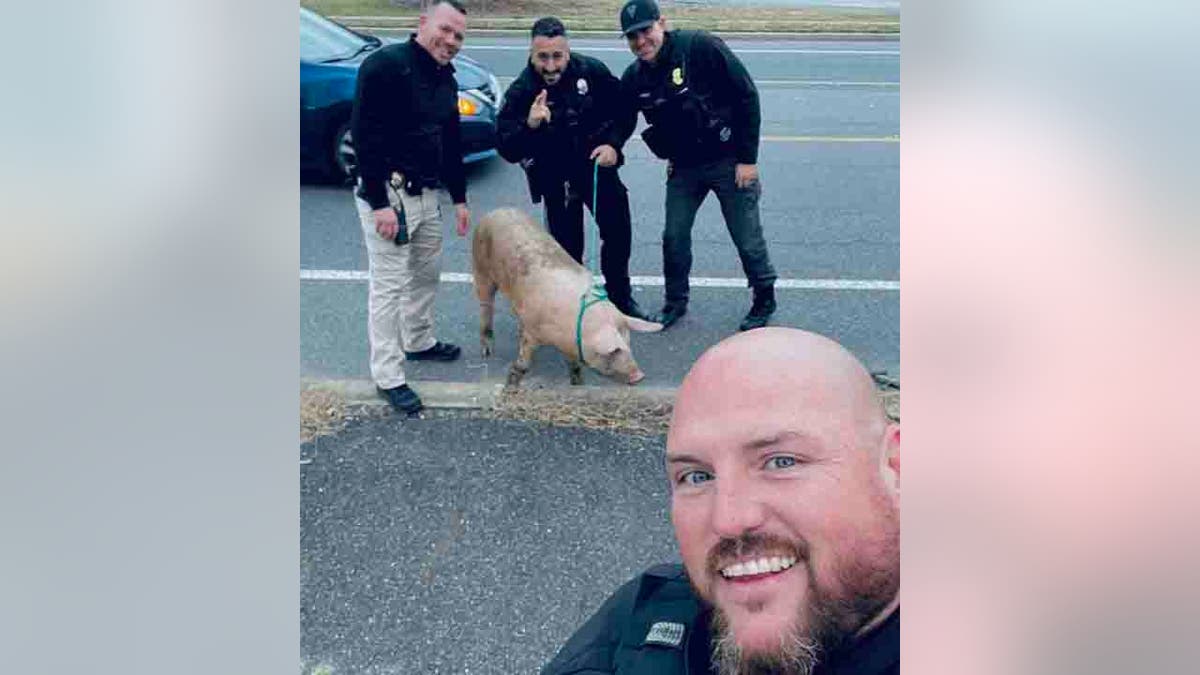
(322, 413)
(602, 16)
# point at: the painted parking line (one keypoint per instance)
(749, 50)
(696, 282)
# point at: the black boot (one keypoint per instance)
(671, 312)
(761, 310)
(622, 297)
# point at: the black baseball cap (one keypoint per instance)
(637, 14)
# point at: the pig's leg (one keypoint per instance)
(576, 371)
(486, 291)
(524, 357)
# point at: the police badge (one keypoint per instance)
(677, 76)
(725, 134)
(581, 86)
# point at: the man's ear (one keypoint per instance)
(889, 460)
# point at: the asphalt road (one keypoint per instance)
(455, 545)
(830, 209)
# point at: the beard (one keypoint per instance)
(830, 619)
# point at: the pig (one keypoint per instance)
(513, 254)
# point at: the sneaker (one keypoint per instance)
(671, 312)
(440, 351)
(761, 309)
(402, 398)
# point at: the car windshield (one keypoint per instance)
(324, 40)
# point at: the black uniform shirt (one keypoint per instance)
(406, 119)
(586, 111)
(700, 65)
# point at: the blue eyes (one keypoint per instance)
(698, 477)
(781, 462)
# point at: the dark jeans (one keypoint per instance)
(564, 219)
(687, 187)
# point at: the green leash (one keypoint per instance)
(596, 291)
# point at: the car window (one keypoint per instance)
(321, 39)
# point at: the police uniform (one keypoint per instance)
(408, 143)
(703, 114)
(655, 625)
(585, 112)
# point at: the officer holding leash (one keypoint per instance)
(703, 112)
(561, 114)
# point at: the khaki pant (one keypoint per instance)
(403, 281)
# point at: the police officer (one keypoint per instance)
(563, 112)
(406, 136)
(702, 108)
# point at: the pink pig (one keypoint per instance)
(547, 289)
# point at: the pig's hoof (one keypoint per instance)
(514, 378)
(487, 349)
(576, 378)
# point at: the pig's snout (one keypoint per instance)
(636, 376)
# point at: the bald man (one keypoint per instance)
(785, 497)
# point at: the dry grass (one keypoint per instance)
(616, 410)
(322, 413)
(602, 15)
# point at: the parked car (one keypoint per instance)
(330, 55)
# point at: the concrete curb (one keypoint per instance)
(486, 395)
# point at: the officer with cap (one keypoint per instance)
(703, 114)
(561, 114)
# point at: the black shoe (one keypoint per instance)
(440, 351)
(761, 310)
(631, 308)
(402, 398)
(671, 312)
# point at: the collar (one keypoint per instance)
(424, 59)
(875, 652)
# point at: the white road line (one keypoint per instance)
(507, 79)
(752, 50)
(698, 282)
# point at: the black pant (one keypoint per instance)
(564, 204)
(686, 189)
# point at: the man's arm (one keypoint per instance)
(732, 84)
(514, 137)
(453, 173)
(591, 649)
(374, 97)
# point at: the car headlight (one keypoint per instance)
(467, 105)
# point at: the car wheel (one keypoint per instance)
(345, 163)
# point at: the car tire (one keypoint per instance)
(343, 165)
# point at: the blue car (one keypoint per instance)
(330, 55)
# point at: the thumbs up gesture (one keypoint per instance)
(538, 112)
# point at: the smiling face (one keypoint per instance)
(440, 31)
(785, 498)
(646, 42)
(549, 57)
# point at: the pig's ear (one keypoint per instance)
(642, 326)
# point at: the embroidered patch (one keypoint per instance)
(631, 10)
(677, 76)
(581, 86)
(665, 633)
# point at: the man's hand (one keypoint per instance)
(607, 155)
(745, 174)
(538, 112)
(463, 215)
(386, 223)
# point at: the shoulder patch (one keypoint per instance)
(666, 633)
